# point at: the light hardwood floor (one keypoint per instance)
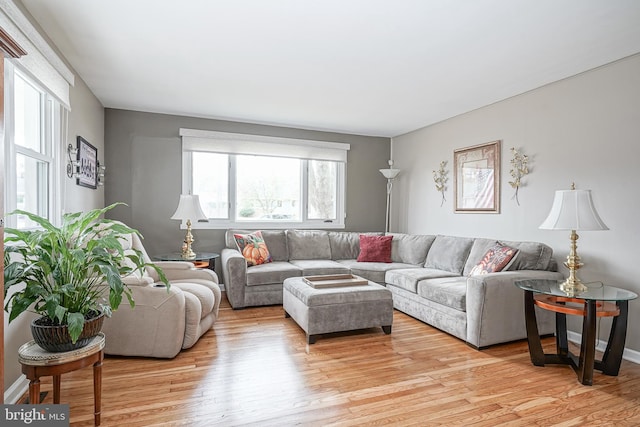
(254, 368)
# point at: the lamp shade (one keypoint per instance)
(189, 208)
(573, 210)
(390, 173)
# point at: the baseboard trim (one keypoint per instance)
(16, 390)
(601, 345)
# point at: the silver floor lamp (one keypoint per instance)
(390, 174)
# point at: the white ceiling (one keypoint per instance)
(370, 67)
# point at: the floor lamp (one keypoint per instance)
(390, 174)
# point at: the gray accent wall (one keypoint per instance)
(584, 129)
(144, 161)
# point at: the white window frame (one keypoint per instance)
(238, 144)
(51, 116)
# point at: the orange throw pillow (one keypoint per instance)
(253, 248)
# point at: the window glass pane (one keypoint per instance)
(268, 188)
(27, 115)
(211, 183)
(32, 188)
(322, 190)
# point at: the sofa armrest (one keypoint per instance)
(133, 280)
(234, 276)
(495, 307)
(174, 265)
(155, 327)
(182, 270)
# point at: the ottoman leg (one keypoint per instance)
(286, 315)
(311, 339)
(386, 329)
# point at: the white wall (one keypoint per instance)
(86, 119)
(585, 129)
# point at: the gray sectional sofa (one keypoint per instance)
(428, 277)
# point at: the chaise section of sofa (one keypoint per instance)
(480, 309)
(429, 277)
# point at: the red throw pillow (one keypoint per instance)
(375, 248)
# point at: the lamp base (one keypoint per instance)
(188, 255)
(572, 287)
(187, 252)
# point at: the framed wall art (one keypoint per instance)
(477, 178)
(87, 164)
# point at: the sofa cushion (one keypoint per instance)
(449, 253)
(408, 278)
(499, 257)
(449, 291)
(317, 267)
(531, 255)
(409, 248)
(346, 244)
(274, 272)
(253, 248)
(375, 248)
(373, 271)
(308, 244)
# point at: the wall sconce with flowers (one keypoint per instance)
(440, 178)
(519, 169)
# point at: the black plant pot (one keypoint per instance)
(56, 338)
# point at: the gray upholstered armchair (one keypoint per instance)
(163, 321)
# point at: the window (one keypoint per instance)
(32, 135)
(250, 181)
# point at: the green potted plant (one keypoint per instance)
(65, 273)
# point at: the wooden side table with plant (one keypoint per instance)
(37, 363)
(70, 275)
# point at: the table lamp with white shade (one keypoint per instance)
(573, 210)
(188, 209)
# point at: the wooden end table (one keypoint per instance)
(598, 300)
(37, 362)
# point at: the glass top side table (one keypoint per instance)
(177, 256)
(595, 291)
(598, 300)
(202, 259)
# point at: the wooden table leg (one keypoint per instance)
(562, 344)
(588, 345)
(97, 389)
(56, 389)
(533, 336)
(610, 364)
(34, 391)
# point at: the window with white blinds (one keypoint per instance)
(254, 181)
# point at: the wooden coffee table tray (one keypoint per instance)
(334, 281)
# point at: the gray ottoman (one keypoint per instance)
(322, 311)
